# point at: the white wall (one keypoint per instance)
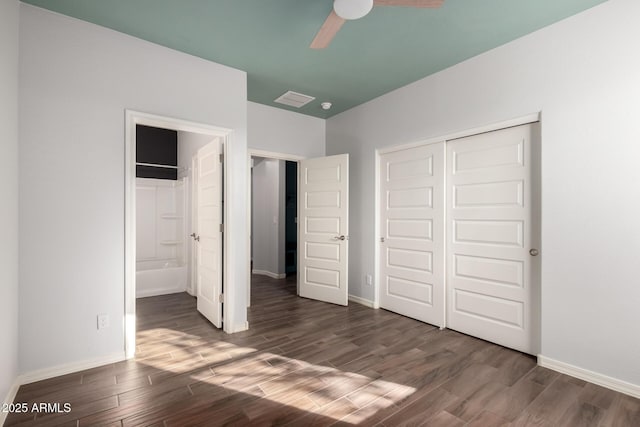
(584, 75)
(281, 131)
(268, 237)
(76, 80)
(9, 18)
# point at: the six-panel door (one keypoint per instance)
(412, 233)
(491, 229)
(324, 228)
(209, 239)
(485, 199)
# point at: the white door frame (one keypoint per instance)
(529, 118)
(251, 152)
(133, 118)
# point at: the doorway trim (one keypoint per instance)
(251, 152)
(133, 118)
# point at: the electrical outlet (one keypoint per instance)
(369, 280)
(103, 321)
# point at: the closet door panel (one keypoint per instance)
(412, 231)
(491, 226)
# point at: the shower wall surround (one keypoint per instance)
(160, 236)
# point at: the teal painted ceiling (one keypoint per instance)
(269, 39)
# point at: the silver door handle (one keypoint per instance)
(382, 240)
(340, 238)
(193, 235)
(197, 238)
(533, 252)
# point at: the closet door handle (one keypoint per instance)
(533, 252)
(193, 235)
(340, 238)
(197, 238)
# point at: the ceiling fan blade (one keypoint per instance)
(328, 31)
(409, 3)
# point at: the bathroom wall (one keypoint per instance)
(159, 220)
(160, 233)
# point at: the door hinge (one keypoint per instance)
(221, 157)
(221, 297)
(222, 228)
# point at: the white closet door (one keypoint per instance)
(209, 239)
(323, 199)
(412, 233)
(492, 230)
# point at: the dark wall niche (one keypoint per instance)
(158, 147)
(291, 212)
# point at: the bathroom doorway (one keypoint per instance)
(174, 195)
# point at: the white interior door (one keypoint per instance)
(492, 237)
(323, 199)
(412, 233)
(209, 235)
(193, 221)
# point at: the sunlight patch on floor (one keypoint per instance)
(274, 378)
(305, 386)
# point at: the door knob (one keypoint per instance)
(197, 238)
(340, 238)
(193, 235)
(533, 252)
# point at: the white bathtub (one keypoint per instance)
(159, 278)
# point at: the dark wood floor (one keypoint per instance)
(308, 363)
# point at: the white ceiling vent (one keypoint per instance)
(294, 99)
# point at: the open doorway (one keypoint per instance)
(322, 225)
(273, 197)
(174, 185)
(274, 217)
(274, 205)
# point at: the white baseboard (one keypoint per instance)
(56, 371)
(590, 376)
(362, 301)
(270, 274)
(232, 329)
(159, 291)
(11, 396)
